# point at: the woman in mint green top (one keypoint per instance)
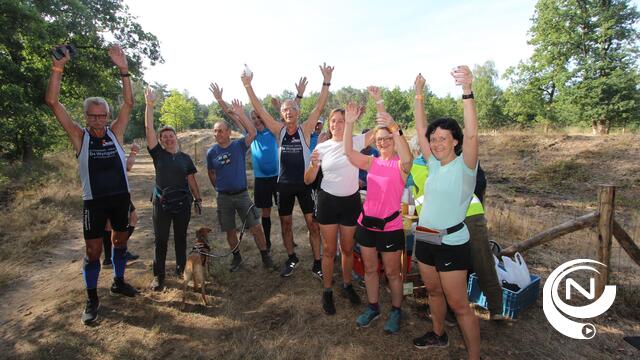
(442, 239)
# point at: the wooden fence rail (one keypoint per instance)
(607, 228)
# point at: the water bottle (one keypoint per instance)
(247, 71)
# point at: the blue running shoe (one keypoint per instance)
(392, 326)
(367, 316)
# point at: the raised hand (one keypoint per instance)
(315, 158)
(236, 107)
(375, 93)
(118, 57)
(301, 86)
(62, 61)
(149, 95)
(327, 72)
(352, 112)
(419, 84)
(384, 119)
(275, 102)
(216, 91)
(463, 76)
(246, 79)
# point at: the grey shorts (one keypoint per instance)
(229, 205)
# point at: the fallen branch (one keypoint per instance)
(553, 233)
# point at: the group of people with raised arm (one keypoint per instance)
(284, 167)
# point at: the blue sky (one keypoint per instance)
(369, 42)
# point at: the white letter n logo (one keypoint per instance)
(572, 283)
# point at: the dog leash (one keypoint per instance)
(244, 226)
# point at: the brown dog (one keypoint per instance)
(195, 267)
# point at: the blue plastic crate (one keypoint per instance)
(512, 302)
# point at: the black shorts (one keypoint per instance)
(264, 190)
(287, 194)
(444, 257)
(383, 241)
(343, 210)
(96, 212)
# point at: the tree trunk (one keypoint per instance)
(27, 152)
(600, 127)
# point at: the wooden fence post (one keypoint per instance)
(606, 197)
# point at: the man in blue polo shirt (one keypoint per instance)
(227, 171)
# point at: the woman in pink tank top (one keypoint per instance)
(380, 225)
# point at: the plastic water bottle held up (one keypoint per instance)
(247, 71)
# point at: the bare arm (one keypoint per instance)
(464, 77)
(271, 123)
(314, 166)
(301, 86)
(52, 98)
(217, 94)
(309, 125)
(119, 125)
(212, 177)
(131, 159)
(421, 117)
(376, 95)
(193, 185)
(358, 160)
(243, 121)
(149, 131)
(406, 159)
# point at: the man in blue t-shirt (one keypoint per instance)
(227, 172)
(264, 157)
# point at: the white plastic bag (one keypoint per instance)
(502, 274)
(523, 270)
(516, 271)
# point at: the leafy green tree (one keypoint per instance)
(177, 111)
(398, 105)
(443, 107)
(584, 60)
(30, 29)
(307, 104)
(488, 96)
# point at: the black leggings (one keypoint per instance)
(161, 225)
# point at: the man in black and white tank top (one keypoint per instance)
(293, 140)
(103, 168)
(105, 188)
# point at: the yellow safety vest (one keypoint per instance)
(419, 173)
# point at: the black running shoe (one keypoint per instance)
(90, 314)
(430, 339)
(235, 263)
(106, 262)
(122, 288)
(350, 293)
(267, 262)
(327, 303)
(128, 256)
(316, 269)
(288, 267)
(157, 284)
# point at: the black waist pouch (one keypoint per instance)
(174, 201)
(373, 222)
